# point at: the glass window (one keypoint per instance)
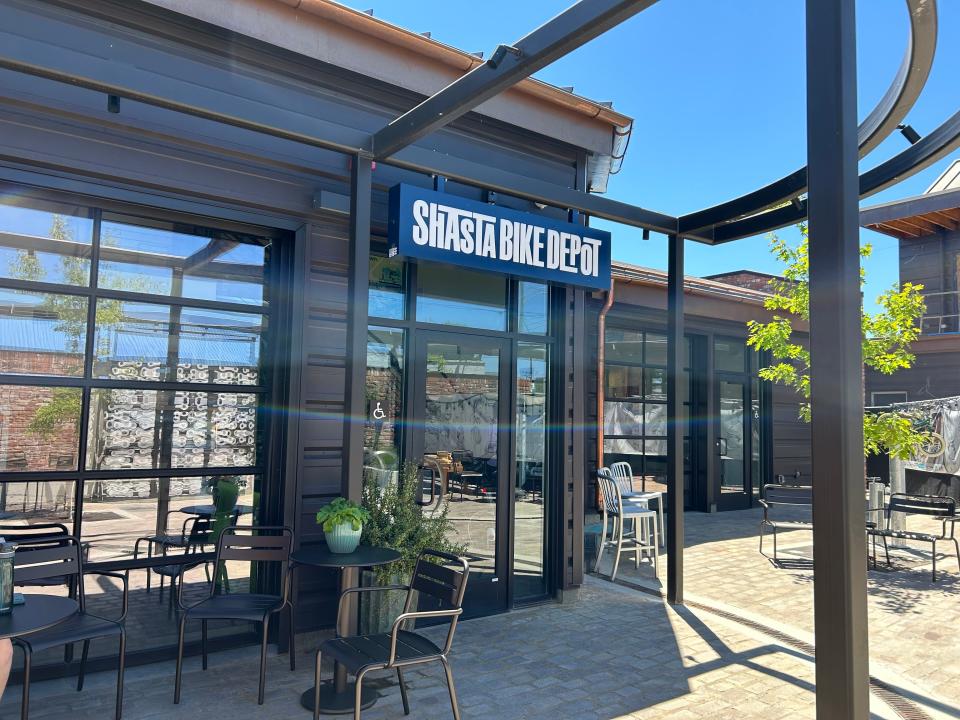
(655, 419)
(23, 504)
(39, 428)
(387, 293)
(655, 384)
(623, 418)
(139, 428)
(384, 392)
(454, 296)
(624, 381)
(533, 308)
(42, 333)
(162, 260)
(531, 491)
(143, 341)
(45, 242)
(624, 345)
(730, 355)
(655, 347)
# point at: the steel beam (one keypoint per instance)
(839, 537)
(508, 65)
(676, 422)
(354, 407)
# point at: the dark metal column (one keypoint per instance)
(354, 411)
(840, 562)
(676, 422)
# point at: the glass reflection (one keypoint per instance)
(162, 260)
(143, 341)
(532, 311)
(27, 504)
(139, 428)
(45, 242)
(454, 296)
(384, 391)
(42, 333)
(387, 296)
(39, 428)
(531, 490)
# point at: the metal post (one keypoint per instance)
(840, 559)
(676, 422)
(354, 414)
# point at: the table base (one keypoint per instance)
(334, 703)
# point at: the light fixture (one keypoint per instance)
(646, 234)
(912, 136)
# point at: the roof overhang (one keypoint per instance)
(915, 217)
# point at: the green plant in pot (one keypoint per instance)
(342, 522)
(398, 522)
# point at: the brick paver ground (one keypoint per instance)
(611, 653)
(914, 623)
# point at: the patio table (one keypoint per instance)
(209, 510)
(38, 612)
(337, 697)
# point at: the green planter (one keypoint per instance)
(343, 538)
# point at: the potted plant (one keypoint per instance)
(342, 522)
(396, 521)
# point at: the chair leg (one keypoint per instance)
(616, 558)
(601, 542)
(83, 664)
(120, 667)
(451, 688)
(316, 688)
(934, 560)
(403, 692)
(775, 545)
(203, 642)
(656, 552)
(761, 538)
(25, 700)
(176, 685)
(263, 659)
(358, 695)
(292, 641)
(886, 549)
(957, 546)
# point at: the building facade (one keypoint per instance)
(175, 304)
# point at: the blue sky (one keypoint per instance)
(717, 93)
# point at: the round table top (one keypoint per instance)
(39, 612)
(363, 556)
(208, 510)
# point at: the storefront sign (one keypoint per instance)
(436, 226)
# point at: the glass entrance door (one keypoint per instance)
(731, 444)
(462, 405)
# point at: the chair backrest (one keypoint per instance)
(776, 494)
(58, 559)
(263, 543)
(623, 474)
(936, 505)
(439, 581)
(609, 491)
(34, 533)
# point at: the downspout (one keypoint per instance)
(601, 348)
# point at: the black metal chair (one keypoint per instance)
(400, 648)
(63, 560)
(195, 534)
(256, 544)
(936, 506)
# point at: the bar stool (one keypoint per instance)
(642, 540)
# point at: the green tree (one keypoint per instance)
(887, 335)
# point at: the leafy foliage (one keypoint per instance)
(397, 522)
(62, 407)
(341, 511)
(886, 338)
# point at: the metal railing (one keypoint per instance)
(942, 315)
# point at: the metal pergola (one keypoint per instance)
(826, 192)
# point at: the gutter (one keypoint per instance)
(601, 360)
(453, 57)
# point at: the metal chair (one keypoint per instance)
(195, 533)
(400, 648)
(62, 559)
(256, 544)
(637, 540)
(623, 474)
